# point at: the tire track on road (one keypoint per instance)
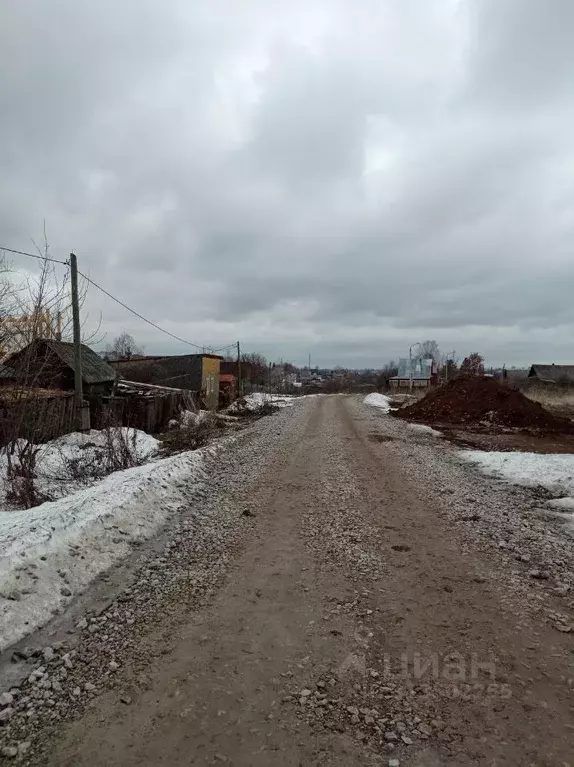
(446, 611)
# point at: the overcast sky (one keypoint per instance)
(336, 178)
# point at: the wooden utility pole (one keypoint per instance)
(239, 378)
(77, 331)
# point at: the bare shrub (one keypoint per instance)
(22, 491)
(120, 449)
(117, 451)
(243, 409)
(266, 408)
(37, 308)
(62, 467)
(191, 437)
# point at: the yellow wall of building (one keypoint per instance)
(210, 369)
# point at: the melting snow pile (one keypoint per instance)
(420, 428)
(553, 472)
(378, 400)
(77, 460)
(189, 419)
(50, 553)
(256, 400)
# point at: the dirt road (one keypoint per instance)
(356, 624)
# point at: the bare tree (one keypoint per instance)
(473, 365)
(430, 349)
(124, 347)
(40, 304)
(389, 370)
(259, 367)
(450, 368)
(37, 306)
(7, 305)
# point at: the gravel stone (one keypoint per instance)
(189, 565)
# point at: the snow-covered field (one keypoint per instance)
(555, 472)
(50, 553)
(378, 400)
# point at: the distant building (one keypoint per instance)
(424, 374)
(554, 374)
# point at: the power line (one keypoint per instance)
(223, 348)
(140, 316)
(117, 300)
(33, 255)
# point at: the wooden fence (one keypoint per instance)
(40, 415)
(150, 412)
(35, 415)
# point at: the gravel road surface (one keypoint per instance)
(349, 593)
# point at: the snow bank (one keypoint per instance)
(257, 399)
(378, 400)
(564, 504)
(553, 472)
(189, 419)
(59, 462)
(260, 398)
(422, 429)
(50, 553)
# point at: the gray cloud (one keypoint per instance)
(305, 177)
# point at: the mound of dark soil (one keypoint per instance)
(474, 401)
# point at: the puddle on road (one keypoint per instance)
(380, 438)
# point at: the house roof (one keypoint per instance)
(94, 369)
(553, 373)
(7, 373)
(520, 374)
(155, 357)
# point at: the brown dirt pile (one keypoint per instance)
(476, 402)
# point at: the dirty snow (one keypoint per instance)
(260, 398)
(564, 504)
(553, 472)
(257, 399)
(189, 419)
(50, 553)
(422, 429)
(76, 460)
(378, 400)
